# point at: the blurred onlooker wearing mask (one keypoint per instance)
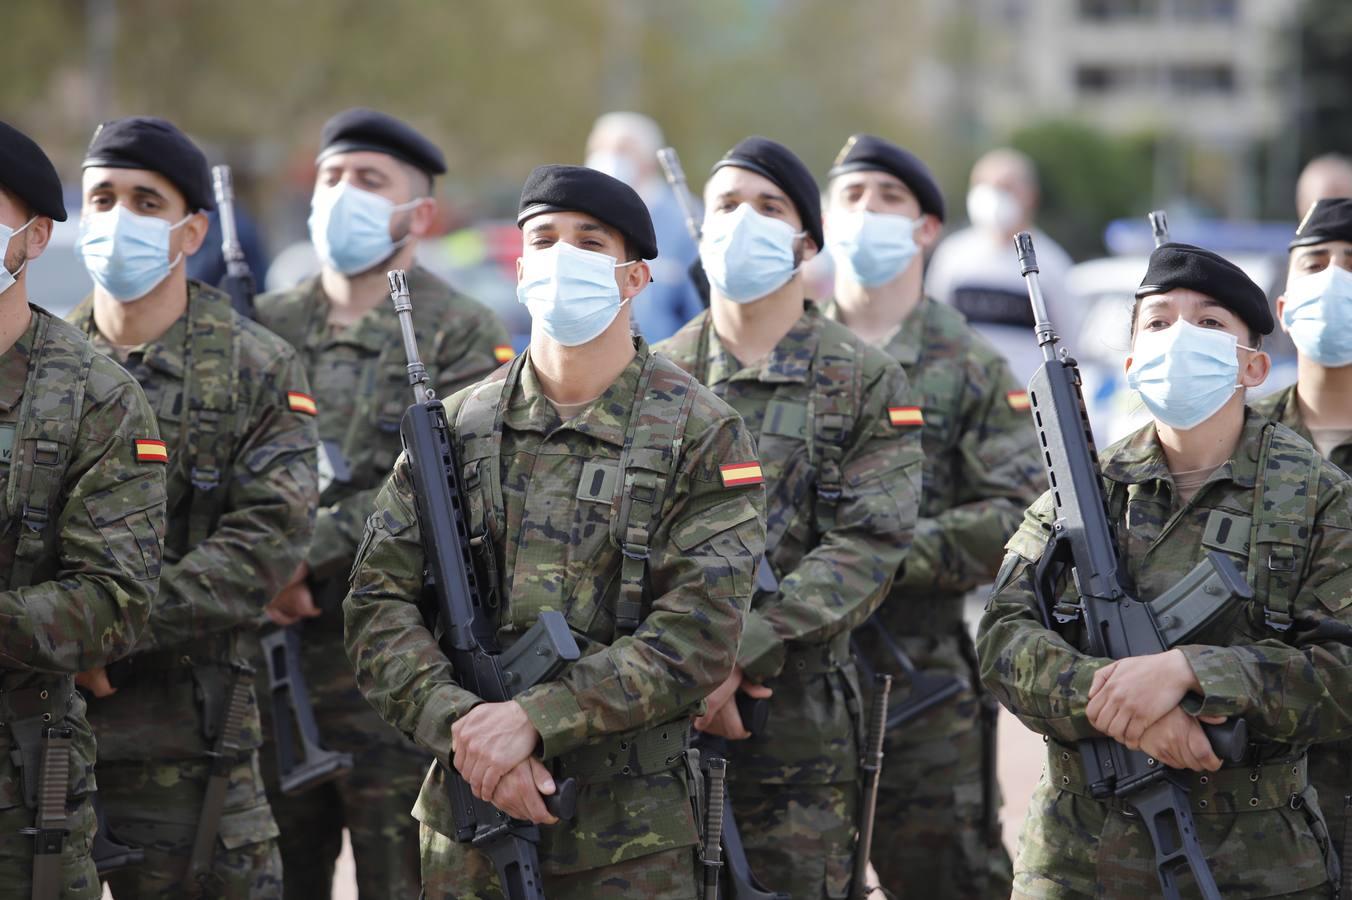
(624, 145)
(977, 271)
(1323, 178)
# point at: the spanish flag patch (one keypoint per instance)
(301, 403)
(741, 474)
(149, 450)
(503, 353)
(903, 416)
(1018, 400)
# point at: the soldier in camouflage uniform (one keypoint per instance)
(81, 526)
(372, 202)
(1318, 407)
(841, 448)
(1206, 475)
(239, 442)
(587, 443)
(938, 830)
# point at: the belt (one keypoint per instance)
(1239, 789)
(816, 659)
(51, 703)
(649, 752)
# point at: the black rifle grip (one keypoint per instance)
(562, 804)
(1229, 740)
(755, 712)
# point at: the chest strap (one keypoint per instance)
(210, 389)
(1283, 526)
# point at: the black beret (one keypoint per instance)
(27, 173)
(579, 189)
(1326, 220)
(778, 163)
(866, 153)
(1185, 266)
(367, 129)
(145, 142)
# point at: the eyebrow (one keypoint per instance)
(137, 189)
(763, 195)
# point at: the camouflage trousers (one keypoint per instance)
(374, 801)
(155, 806)
(79, 880)
(799, 837)
(453, 871)
(1331, 774)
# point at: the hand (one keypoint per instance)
(1178, 741)
(295, 602)
(1129, 695)
(518, 793)
(96, 682)
(721, 716)
(298, 577)
(489, 741)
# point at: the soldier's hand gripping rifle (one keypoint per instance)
(465, 626)
(1118, 625)
(238, 281)
(675, 178)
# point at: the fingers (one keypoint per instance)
(1101, 678)
(759, 691)
(544, 782)
(519, 796)
(1213, 720)
(1204, 757)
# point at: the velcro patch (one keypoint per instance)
(741, 474)
(1018, 400)
(503, 353)
(301, 403)
(149, 450)
(904, 416)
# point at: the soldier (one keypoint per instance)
(938, 826)
(839, 438)
(1206, 475)
(372, 202)
(239, 440)
(1314, 311)
(551, 445)
(82, 507)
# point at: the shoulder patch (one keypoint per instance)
(149, 450)
(301, 403)
(1018, 400)
(905, 416)
(503, 353)
(741, 474)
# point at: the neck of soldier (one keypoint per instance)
(145, 318)
(874, 313)
(353, 296)
(581, 374)
(1207, 445)
(1324, 394)
(749, 331)
(15, 316)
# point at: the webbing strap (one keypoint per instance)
(1283, 526)
(211, 377)
(201, 881)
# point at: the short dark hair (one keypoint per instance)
(1255, 339)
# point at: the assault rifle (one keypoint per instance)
(675, 178)
(465, 626)
(1116, 624)
(238, 281)
(293, 718)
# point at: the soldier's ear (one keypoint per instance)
(1281, 305)
(195, 232)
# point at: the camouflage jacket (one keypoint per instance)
(361, 384)
(551, 549)
(834, 560)
(88, 597)
(229, 549)
(1282, 407)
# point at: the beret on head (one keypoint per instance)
(1326, 220)
(156, 145)
(866, 153)
(27, 173)
(584, 190)
(367, 129)
(779, 164)
(1185, 266)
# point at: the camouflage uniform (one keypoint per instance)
(551, 536)
(844, 476)
(1258, 822)
(79, 561)
(938, 830)
(242, 491)
(359, 376)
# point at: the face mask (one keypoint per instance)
(619, 167)
(1184, 373)
(872, 248)
(993, 209)
(126, 254)
(747, 255)
(1318, 314)
(350, 228)
(8, 234)
(570, 292)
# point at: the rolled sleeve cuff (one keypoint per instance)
(761, 654)
(556, 715)
(1220, 672)
(433, 728)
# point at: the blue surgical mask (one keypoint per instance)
(1318, 314)
(8, 234)
(126, 254)
(571, 293)
(1184, 373)
(747, 255)
(350, 228)
(871, 248)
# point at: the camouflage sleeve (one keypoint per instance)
(1295, 690)
(338, 531)
(1032, 670)
(999, 474)
(701, 570)
(839, 582)
(264, 530)
(112, 524)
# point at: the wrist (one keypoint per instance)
(1186, 676)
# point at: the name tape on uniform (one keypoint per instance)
(741, 474)
(904, 416)
(149, 450)
(301, 403)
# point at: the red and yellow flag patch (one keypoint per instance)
(503, 353)
(149, 450)
(741, 474)
(1018, 400)
(904, 416)
(301, 403)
